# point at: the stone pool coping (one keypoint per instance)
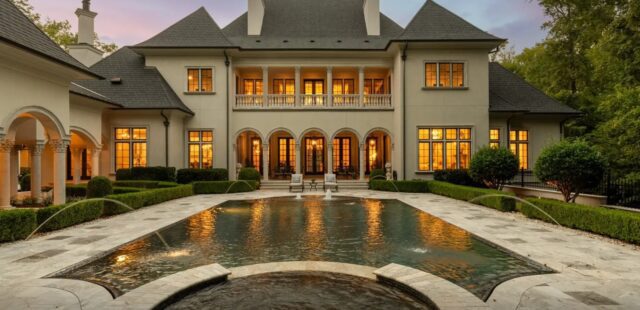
(434, 291)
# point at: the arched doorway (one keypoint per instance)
(83, 156)
(249, 150)
(314, 152)
(345, 153)
(283, 154)
(35, 141)
(377, 149)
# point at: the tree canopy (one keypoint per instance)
(590, 60)
(59, 31)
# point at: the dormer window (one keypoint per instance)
(445, 75)
(200, 80)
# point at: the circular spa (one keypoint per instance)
(298, 290)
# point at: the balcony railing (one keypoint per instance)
(277, 102)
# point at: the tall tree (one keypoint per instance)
(59, 31)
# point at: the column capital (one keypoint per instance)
(95, 149)
(6, 145)
(361, 69)
(36, 149)
(59, 146)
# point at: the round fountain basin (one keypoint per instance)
(298, 290)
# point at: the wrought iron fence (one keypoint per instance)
(619, 192)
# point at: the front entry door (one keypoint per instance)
(314, 161)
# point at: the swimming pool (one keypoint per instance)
(348, 230)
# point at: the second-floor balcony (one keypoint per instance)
(313, 89)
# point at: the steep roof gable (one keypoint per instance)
(198, 30)
(435, 23)
(140, 87)
(18, 30)
(508, 92)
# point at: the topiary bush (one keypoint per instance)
(249, 174)
(570, 166)
(493, 167)
(223, 187)
(17, 224)
(456, 176)
(99, 187)
(166, 174)
(186, 176)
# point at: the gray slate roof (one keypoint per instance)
(17, 29)
(293, 24)
(435, 23)
(141, 87)
(196, 30)
(508, 92)
(85, 92)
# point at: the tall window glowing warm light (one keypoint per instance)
(200, 148)
(286, 155)
(341, 154)
(519, 145)
(494, 138)
(444, 148)
(256, 153)
(199, 80)
(130, 147)
(372, 154)
(444, 75)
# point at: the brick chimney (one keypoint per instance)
(85, 51)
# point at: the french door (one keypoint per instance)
(314, 157)
(314, 92)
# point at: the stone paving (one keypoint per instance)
(593, 272)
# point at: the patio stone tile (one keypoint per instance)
(87, 240)
(592, 298)
(579, 265)
(516, 240)
(59, 238)
(151, 219)
(539, 230)
(40, 256)
(96, 227)
(556, 240)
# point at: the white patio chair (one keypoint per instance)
(296, 182)
(330, 181)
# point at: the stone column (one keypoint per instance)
(330, 158)
(6, 146)
(362, 160)
(95, 161)
(265, 161)
(361, 85)
(329, 86)
(265, 86)
(36, 170)
(59, 170)
(76, 164)
(298, 85)
(299, 158)
(15, 169)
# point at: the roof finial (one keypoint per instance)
(86, 5)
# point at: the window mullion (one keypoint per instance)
(437, 74)
(200, 79)
(451, 75)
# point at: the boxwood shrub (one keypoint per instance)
(456, 176)
(249, 174)
(126, 190)
(145, 184)
(77, 191)
(145, 198)
(221, 187)
(186, 176)
(415, 186)
(82, 212)
(504, 204)
(167, 174)
(17, 224)
(99, 187)
(617, 224)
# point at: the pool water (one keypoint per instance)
(296, 290)
(366, 232)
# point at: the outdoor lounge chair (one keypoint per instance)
(330, 181)
(296, 182)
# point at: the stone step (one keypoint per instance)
(284, 185)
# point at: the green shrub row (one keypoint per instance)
(618, 224)
(145, 198)
(167, 174)
(80, 190)
(459, 192)
(84, 211)
(17, 224)
(187, 176)
(222, 187)
(145, 184)
(249, 174)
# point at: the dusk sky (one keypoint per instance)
(127, 22)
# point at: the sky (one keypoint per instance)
(128, 22)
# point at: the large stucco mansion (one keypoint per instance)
(291, 86)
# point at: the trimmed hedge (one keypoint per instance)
(145, 198)
(617, 224)
(249, 174)
(99, 187)
(80, 190)
(466, 193)
(17, 224)
(127, 190)
(167, 174)
(82, 212)
(402, 186)
(221, 187)
(186, 176)
(145, 184)
(456, 176)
